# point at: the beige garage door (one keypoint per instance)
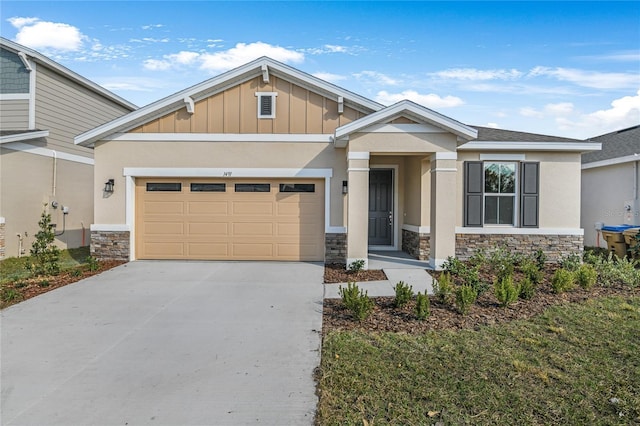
(224, 219)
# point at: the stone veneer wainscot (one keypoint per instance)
(110, 245)
(335, 248)
(416, 244)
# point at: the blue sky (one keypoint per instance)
(563, 68)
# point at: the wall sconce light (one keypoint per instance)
(345, 187)
(108, 186)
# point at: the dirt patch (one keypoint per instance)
(486, 311)
(23, 289)
(337, 273)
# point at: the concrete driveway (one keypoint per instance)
(167, 343)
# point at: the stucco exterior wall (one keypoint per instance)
(113, 156)
(559, 187)
(399, 143)
(27, 184)
(605, 190)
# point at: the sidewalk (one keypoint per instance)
(397, 266)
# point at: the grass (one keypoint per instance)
(575, 364)
(15, 267)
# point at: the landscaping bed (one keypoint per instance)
(337, 273)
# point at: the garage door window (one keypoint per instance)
(208, 187)
(297, 187)
(253, 187)
(164, 187)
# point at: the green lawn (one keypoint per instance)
(577, 364)
(15, 267)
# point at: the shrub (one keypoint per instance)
(404, 293)
(465, 274)
(93, 264)
(465, 297)
(541, 258)
(571, 262)
(44, 254)
(356, 300)
(356, 266)
(423, 309)
(563, 280)
(503, 262)
(527, 288)
(613, 270)
(443, 288)
(506, 291)
(43, 283)
(586, 276)
(9, 295)
(531, 270)
(627, 272)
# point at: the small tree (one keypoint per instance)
(44, 253)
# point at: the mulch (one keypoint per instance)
(337, 273)
(387, 318)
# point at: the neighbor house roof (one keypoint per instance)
(498, 135)
(40, 58)
(8, 136)
(262, 66)
(619, 145)
(510, 140)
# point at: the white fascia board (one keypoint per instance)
(187, 172)
(217, 84)
(219, 137)
(506, 230)
(403, 107)
(611, 161)
(16, 48)
(45, 152)
(417, 229)
(19, 137)
(530, 146)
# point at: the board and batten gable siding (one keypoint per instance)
(14, 114)
(235, 110)
(67, 109)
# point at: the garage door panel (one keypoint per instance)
(164, 228)
(163, 207)
(220, 229)
(206, 250)
(230, 225)
(208, 207)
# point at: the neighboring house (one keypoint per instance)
(43, 105)
(610, 184)
(265, 162)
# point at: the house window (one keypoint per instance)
(297, 187)
(501, 193)
(164, 187)
(266, 104)
(253, 187)
(208, 187)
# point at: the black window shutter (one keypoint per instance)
(529, 194)
(473, 193)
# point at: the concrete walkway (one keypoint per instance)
(397, 266)
(167, 343)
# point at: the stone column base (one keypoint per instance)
(416, 244)
(335, 248)
(554, 247)
(110, 245)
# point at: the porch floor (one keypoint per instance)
(395, 260)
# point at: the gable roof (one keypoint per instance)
(616, 145)
(40, 58)
(500, 135)
(222, 82)
(412, 110)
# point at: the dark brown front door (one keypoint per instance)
(381, 207)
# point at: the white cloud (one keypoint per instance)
(152, 26)
(621, 56)
(477, 75)
(493, 125)
(591, 79)
(33, 32)
(624, 112)
(376, 78)
(243, 53)
(530, 112)
(327, 76)
(157, 65)
(430, 100)
(328, 48)
(561, 108)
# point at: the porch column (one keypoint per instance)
(358, 207)
(443, 208)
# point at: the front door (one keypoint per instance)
(381, 207)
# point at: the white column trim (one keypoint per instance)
(110, 227)
(444, 169)
(130, 213)
(445, 156)
(358, 169)
(358, 155)
(417, 229)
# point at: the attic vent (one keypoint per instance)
(266, 104)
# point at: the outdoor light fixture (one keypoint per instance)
(345, 188)
(108, 186)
